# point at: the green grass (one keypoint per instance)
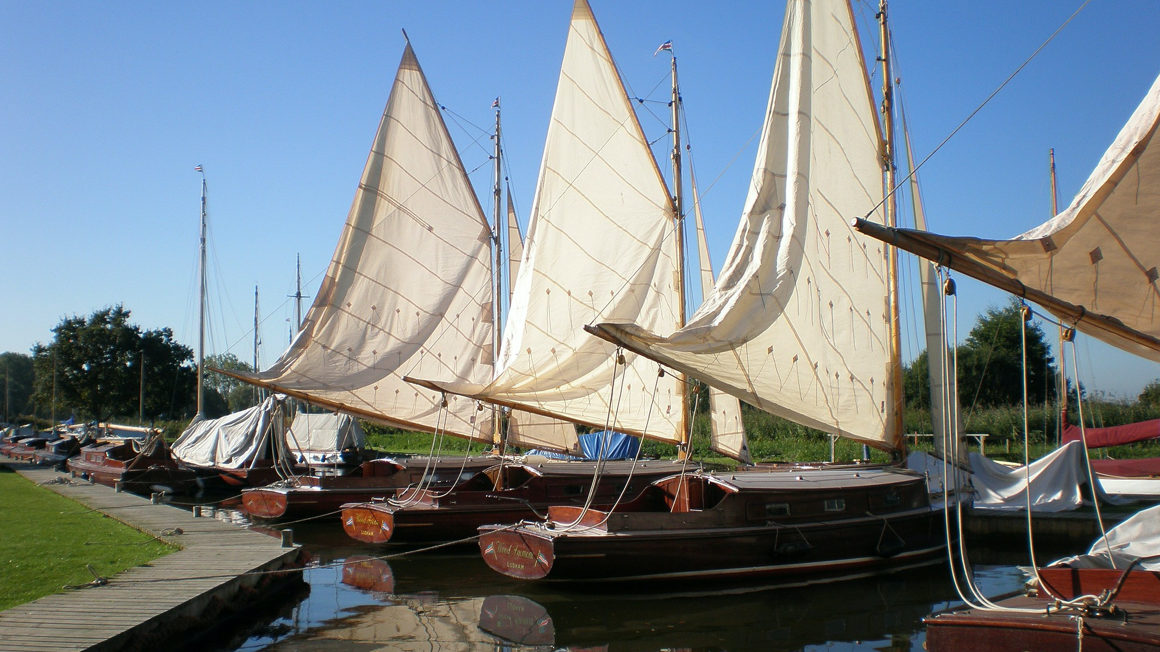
(46, 540)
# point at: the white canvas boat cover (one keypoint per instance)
(1056, 480)
(1101, 253)
(409, 287)
(799, 321)
(329, 433)
(1137, 537)
(601, 245)
(233, 441)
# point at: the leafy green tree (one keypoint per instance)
(97, 363)
(17, 375)
(1151, 394)
(991, 361)
(916, 382)
(238, 395)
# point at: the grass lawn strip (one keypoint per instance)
(46, 541)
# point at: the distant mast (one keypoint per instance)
(496, 274)
(201, 301)
(679, 222)
(297, 296)
(257, 340)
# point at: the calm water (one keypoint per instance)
(443, 601)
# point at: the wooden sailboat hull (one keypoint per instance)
(817, 551)
(309, 496)
(455, 514)
(813, 524)
(113, 464)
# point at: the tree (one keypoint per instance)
(97, 364)
(916, 382)
(1151, 394)
(17, 375)
(238, 395)
(991, 361)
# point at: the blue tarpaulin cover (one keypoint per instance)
(617, 446)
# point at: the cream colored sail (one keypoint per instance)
(515, 243)
(601, 245)
(728, 431)
(1097, 260)
(525, 429)
(798, 323)
(409, 287)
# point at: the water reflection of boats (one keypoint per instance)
(443, 612)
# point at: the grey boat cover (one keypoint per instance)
(325, 433)
(233, 441)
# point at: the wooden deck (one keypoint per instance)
(144, 606)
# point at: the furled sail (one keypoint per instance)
(727, 435)
(409, 287)
(1094, 264)
(798, 323)
(601, 245)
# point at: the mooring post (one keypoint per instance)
(288, 538)
(197, 511)
(118, 487)
(155, 498)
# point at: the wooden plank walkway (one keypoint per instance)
(141, 606)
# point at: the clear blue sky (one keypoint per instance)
(105, 109)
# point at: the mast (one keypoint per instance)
(141, 396)
(496, 275)
(257, 339)
(679, 215)
(891, 220)
(1062, 374)
(201, 301)
(297, 296)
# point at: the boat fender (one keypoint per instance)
(889, 543)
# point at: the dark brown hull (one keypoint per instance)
(138, 479)
(456, 514)
(1135, 629)
(303, 502)
(812, 524)
(379, 523)
(311, 496)
(817, 551)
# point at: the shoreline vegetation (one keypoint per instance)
(48, 541)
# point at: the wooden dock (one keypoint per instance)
(144, 607)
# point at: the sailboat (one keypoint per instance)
(1093, 266)
(409, 289)
(602, 221)
(802, 323)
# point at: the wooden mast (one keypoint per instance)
(679, 221)
(201, 301)
(891, 220)
(1062, 368)
(497, 284)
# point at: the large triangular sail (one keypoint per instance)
(1095, 264)
(409, 287)
(601, 245)
(798, 323)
